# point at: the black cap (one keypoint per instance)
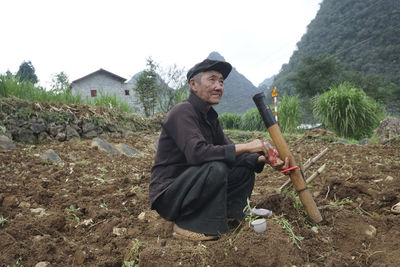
(208, 64)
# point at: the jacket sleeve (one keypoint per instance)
(248, 160)
(182, 125)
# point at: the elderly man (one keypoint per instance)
(200, 178)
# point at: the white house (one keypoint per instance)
(102, 81)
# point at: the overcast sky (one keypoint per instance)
(81, 36)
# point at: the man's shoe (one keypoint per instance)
(180, 233)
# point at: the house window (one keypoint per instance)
(126, 92)
(93, 93)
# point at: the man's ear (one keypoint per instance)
(192, 84)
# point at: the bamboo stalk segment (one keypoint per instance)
(315, 174)
(298, 182)
(280, 144)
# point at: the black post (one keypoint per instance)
(264, 110)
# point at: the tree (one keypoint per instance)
(377, 86)
(315, 74)
(9, 74)
(60, 83)
(147, 89)
(174, 88)
(26, 72)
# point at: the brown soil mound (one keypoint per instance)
(93, 210)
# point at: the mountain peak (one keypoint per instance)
(238, 90)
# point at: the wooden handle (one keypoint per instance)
(280, 144)
(297, 180)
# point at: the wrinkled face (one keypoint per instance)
(209, 87)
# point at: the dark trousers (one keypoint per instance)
(202, 198)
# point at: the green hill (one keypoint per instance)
(362, 35)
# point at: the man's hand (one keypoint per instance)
(278, 165)
(258, 146)
(255, 146)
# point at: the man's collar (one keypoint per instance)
(201, 106)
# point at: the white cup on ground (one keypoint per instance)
(259, 225)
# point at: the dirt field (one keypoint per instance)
(93, 210)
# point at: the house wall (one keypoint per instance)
(102, 82)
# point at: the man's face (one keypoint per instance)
(210, 87)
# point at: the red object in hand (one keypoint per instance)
(272, 152)
(289, 169)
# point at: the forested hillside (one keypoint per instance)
(357, 36)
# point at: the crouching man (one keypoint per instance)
(200, 178)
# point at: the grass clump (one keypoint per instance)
(289, 117)
(230, 120)
(109, 100)
(289, 114)
(252, 121)
(348, 111)
(12, 86)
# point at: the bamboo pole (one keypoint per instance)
(300, 161)
(284, 152)
(298, 182)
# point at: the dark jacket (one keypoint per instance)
(191, 136)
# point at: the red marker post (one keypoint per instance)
(275, 97)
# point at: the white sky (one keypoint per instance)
(81, 36)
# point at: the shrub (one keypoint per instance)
(12, 86)
(289, 113)
(230, 120)
(348, 111)
(252, 121)
(109, 100)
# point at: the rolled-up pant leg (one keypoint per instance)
(203, 197)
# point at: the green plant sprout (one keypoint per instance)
(136, 189)
(129, 213)
(103, 169)
(133, 260)
(297, 202)
(18, 263)
(71, 212)
(2, 221)
(288, 227)
(103, 206)
(129, 263)
(249, 210)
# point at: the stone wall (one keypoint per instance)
(29, 122)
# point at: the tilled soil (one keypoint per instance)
(93, 210)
